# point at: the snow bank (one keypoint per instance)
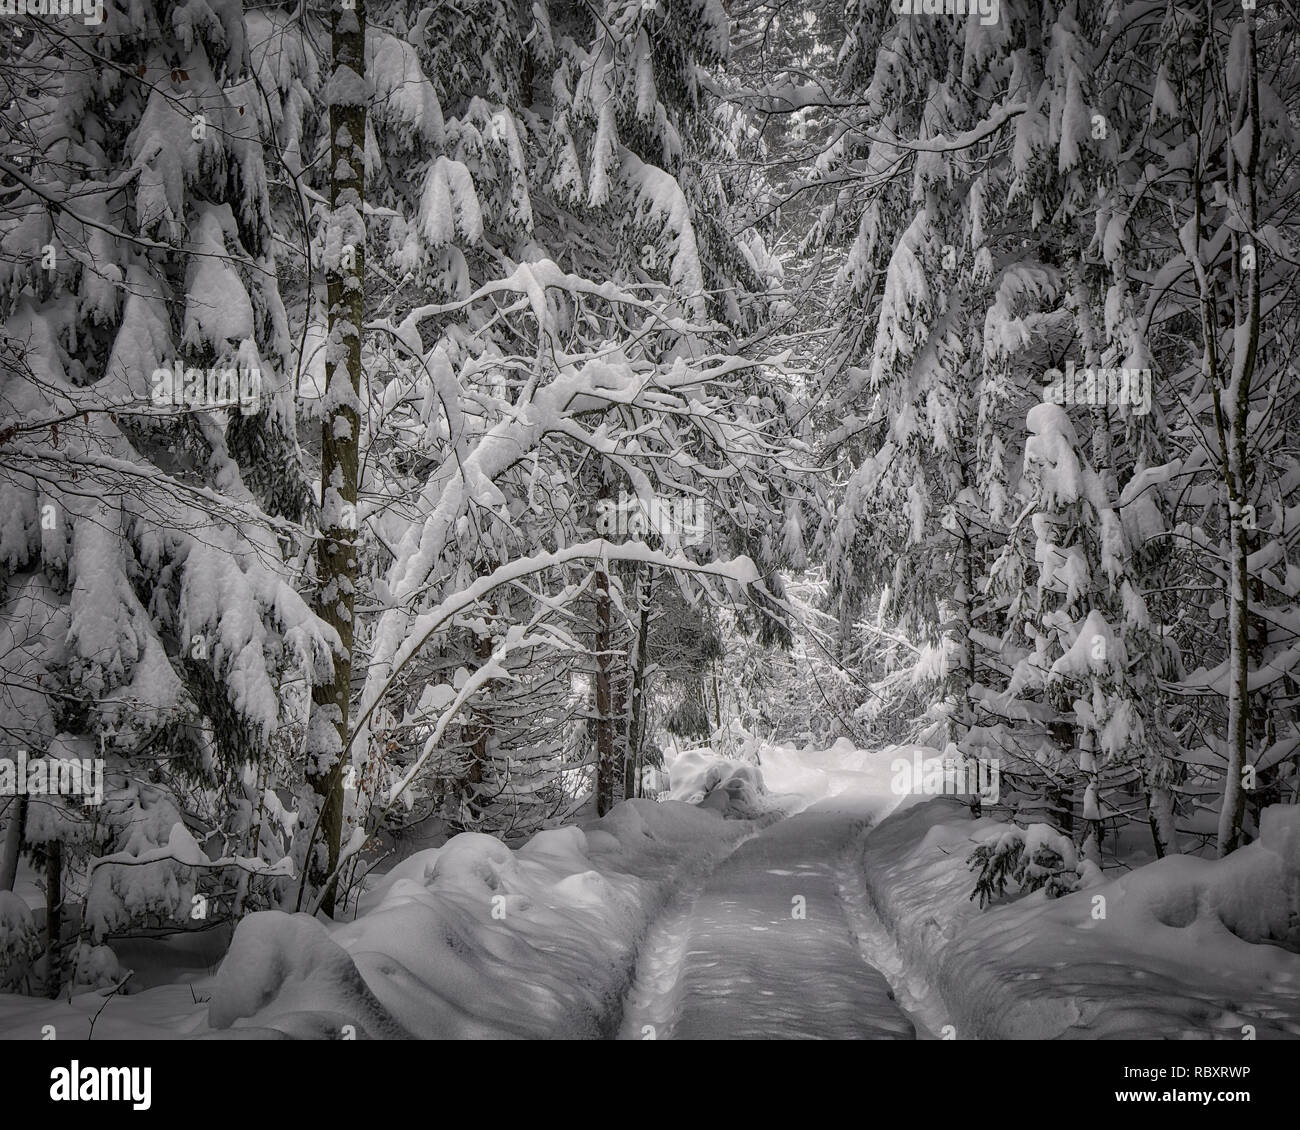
(287, 965)
(729, 786)
(473, 939)
(1175, 949)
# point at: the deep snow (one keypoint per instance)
(785, 894)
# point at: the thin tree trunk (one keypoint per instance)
(959, 670)
(604, 719)
(618, 719)
(480, 730)
(1063, 733)
(481, 726)
(1237, 475)
(11, 848)
(53, 917)
(632, 784)
(1160, 817)
(254, 844)
(717, 699)
(1262, 724)
(336, 549)
(1092, 822)
(1234, 796)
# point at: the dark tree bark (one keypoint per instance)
(636, 721)
(336, 548)
(604, 713)
(53, 917)
(11, 848)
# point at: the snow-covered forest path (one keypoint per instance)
(774, 944)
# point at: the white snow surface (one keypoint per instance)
(781, 893)
(795, 778)
(1177, 955)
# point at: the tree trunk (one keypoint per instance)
(11, 847)
(1238, 489)
(618, 716)
(604, 714)
(1062, 795)
(1093, 825)
(1234, 796)
(1262, 725)
(636, 721)
(480, 730)
(336, 549)
(481, 727)
(1160, 817)
(53, 917)
(717, 699)
(254, 844)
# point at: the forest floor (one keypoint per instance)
(796, 898)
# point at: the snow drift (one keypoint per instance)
(1111, 960)
(473, 939)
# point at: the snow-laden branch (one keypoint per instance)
(963, 140)
(383, 671)
(532, 280)
(591, 387)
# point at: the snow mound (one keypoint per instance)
(473, 939)
(731, 787)
(286, 966)
(1110, 960)
(97, 967)
(1253, 894)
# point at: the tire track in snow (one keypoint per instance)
(653, 1002)
(913, 994)
(702, 972)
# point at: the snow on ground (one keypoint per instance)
(1176, 956)
(778, 893)
(470, 939)
(474, 939)
(1179, 948)
(842, 771)
(795, 778)
(767, 951)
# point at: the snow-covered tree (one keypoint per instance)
(150, 478)
(1011, 204)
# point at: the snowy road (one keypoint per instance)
(770, 946)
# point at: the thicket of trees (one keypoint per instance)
(482, 268)
(565, 336)
(1102, 573)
